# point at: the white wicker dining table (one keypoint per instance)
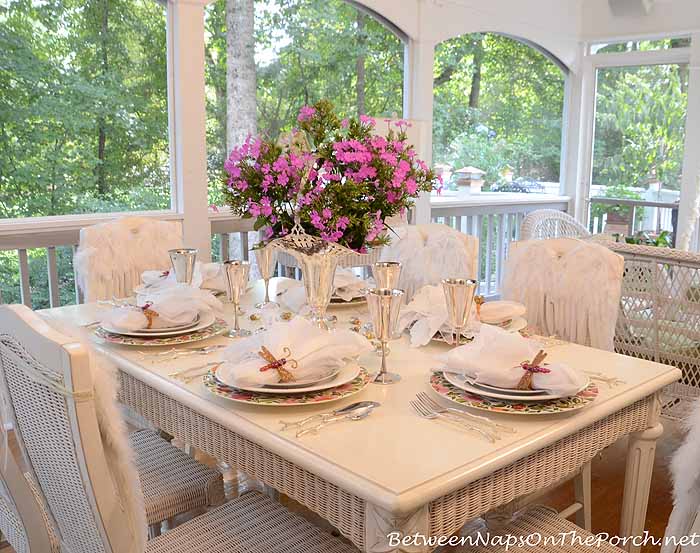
(394, 471)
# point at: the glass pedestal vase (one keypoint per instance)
(318, 272)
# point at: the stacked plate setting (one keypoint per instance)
(204, 325)
(331, 386)
(507, 394)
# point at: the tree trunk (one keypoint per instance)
(476, 73)
(360, 64)
(102, 188)
(241, 82)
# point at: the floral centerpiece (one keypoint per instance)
(335, 178)
(325, 189)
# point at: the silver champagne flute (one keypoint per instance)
(183, 261)
(459, 297)
(387, 274)
(266, 257)
(237, 272)
(384, 305)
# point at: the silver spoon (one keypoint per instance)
(348, 409)
(355, 415)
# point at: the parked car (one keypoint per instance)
(526, 185)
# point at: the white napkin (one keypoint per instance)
(348, 286)
(316, 352)
(176, 305)
(498, 312)
(206, 275)
(427, 312)
(292, 294)
(494, 358)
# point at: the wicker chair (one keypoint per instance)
(111, 256)
(22, 520)
(659, 317)
(86, 479)
(550, 223)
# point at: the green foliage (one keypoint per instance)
(72, 74)
(515, 118)
(640, 126)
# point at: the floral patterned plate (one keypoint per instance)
(217, 327)
(561, 405)
(290, 400)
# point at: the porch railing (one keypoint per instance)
(631, 216)
(494, 218)
(59, 238)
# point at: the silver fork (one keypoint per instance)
(433, 405)
(426, 413)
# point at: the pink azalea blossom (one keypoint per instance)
(306, 113)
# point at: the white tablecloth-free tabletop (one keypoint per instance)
(395, 471)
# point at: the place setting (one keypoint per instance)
(289, 364)
(174, 312)
(502, 371)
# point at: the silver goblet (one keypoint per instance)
(384, 305)
(387, 274)
(237, 272)
(183, 261)
(266, 258)
(459, 297)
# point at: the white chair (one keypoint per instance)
(111, 256)
(430, 253)
(550, 223)
(571, 288)
(81, 460)
(23, 522)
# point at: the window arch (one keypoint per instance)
(498, 106)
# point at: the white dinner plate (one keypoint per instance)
(461, 381)
(516, 325)
(225, 374)
(205, 321)
(157, 331)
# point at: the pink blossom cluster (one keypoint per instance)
(331, 228)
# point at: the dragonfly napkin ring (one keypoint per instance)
(278, 364)
(531, 368)
(149, 314)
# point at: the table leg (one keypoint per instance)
(640, 464)
(385, 532)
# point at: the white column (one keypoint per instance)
(418, 106)
(691, 157)
(187, 117)
(571, 126)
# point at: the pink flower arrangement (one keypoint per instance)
(338, 179)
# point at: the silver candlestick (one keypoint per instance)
(237, 272)
(266, 258)
(387, 274)
(384, 305)
(183, 261)
(459, 297)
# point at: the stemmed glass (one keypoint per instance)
(183, 262)
(387, 274)
(459, 297)
(384, 305)
(266, 257)
(237, 272)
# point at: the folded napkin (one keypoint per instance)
(499, 312)
(206, 275)
(316, 352)
(292, 294)
(427, 313)
(349, 286)
(494, 358)
(176, 305)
